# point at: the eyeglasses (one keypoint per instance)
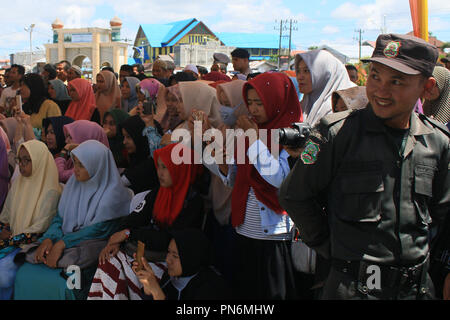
(22, 161)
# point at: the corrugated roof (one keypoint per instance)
(249, 40)
(157, 34)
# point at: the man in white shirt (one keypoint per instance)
(13, 80)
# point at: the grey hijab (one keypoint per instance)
(328, 75)
(439, 109)
(60, 89)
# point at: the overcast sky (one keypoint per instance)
(320, 22)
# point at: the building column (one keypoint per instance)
(61, 49)
(95, 56)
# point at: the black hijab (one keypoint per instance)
(194, 250)
(57, 124)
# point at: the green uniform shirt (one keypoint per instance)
(355, 195)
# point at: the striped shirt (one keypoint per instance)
(252, 228)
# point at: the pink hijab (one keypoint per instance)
(83, 130)
(83, 108)
(111, 97)
(154, 89)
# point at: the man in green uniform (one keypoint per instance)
(370, 182)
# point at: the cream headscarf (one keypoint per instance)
(233, 90)
(440, 108)
(328, 75)
(200, 96)
(32, 201)
(109, 98)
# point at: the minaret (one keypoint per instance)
(116, 25)
(56, 25)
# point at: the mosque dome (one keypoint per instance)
(115, 22)
(57, 24)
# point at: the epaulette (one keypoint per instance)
(436, 124)
(333, 118)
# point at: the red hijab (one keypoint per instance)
(169, 201)
(83, 108)
(216, 76)
(282, 107)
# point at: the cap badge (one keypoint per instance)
(392, 49)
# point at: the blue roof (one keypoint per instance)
(249, 40)
(181, 35)
(159, 34)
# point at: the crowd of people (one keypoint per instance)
(90, 177)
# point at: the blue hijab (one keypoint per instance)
(101, 198)
(132, 101)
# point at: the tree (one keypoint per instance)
(313, 48)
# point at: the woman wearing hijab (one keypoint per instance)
(4, 172)
(319, 74)
(262, 260)
(151, 90)
(57, 91)
(140, 175)
(76, 133)
(189, 275)
(171, 120)
(108, 94)
(36, 101)
(349, 99)
(54, 133)
(129, 94)
(174, 205)
(83, 100)
(23, 222)
(112, 126)
(91, 205)
(437, 105)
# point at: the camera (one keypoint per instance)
(296, 136)
(149, 107)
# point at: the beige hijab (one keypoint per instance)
(32, 201)
(111, 97)
(354, 98)
(233, 90)
(200, 96)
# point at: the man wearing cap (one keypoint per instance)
(74, 72)
(239, 58)
(446, 61)
(222, 61)
(370, 182)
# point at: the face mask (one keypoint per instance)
(228, 116)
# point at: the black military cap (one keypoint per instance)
(221, 58)
(407, 54)
(240, 53)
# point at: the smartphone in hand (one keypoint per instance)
(149, 107)
(140, 254)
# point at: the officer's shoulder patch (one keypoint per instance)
(333, 118)
(310, 153)
(436, 124)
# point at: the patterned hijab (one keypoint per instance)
(101, 198)
(440, 108)
(328, 75)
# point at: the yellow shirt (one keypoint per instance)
(48, 109)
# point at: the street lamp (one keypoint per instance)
(30, 30)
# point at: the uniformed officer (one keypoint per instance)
(222, 60)
(369, 182)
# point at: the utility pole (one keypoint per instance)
(30, 30)
(279, 47)
(283, 27)
(360, 31)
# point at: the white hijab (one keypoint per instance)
(328, 75)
